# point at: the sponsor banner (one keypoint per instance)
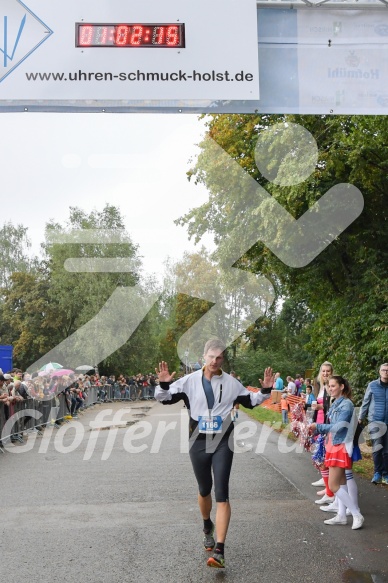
(323, 61)
(128, 50)
(351, 79)
(348, 71)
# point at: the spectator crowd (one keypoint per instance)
(66, 394)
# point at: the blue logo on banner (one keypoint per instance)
(4, 50)
(12, 53)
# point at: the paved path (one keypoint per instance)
(133, 516)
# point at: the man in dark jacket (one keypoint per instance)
(375, 407)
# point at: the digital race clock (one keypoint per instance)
(130, 35)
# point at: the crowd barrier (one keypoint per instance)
(30, 414)
(56, 409)
(125, 393)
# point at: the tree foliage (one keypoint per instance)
(14, 256)
(79, 296)
(333, 309)
(25, 316)
(42, 308)
(344, 287)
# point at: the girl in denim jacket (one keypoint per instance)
(339, 447)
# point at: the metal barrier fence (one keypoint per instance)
(35, 414)
(125, 393)
(30, 414)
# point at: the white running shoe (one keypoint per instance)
(358, 521)
(333, 507)
(321, 492)
(318, 483)
(337, 519)
(325, 499)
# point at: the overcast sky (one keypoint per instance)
(138, 162)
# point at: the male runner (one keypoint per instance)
(210, 395)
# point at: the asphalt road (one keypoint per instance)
(119, 505)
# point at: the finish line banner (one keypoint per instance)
(128, 50)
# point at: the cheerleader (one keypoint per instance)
(320, 409)
(339, 449)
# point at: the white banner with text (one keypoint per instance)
(128, 50)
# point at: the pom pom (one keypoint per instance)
(298, 414)
(300, 427)
(318, 450)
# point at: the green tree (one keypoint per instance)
(78, 296)
(14, 256)
(24, 316)
(351, 150)
(212, 302)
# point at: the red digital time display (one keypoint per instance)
(130, 35)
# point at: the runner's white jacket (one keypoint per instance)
(227, 391)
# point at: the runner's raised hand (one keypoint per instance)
(163, 373)
(269, 378)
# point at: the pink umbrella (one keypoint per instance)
(62, 372)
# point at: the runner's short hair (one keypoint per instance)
(214, 344)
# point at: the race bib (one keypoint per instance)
(210, 424)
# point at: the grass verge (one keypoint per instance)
(262, 415)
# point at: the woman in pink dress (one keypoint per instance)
(320, 413)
